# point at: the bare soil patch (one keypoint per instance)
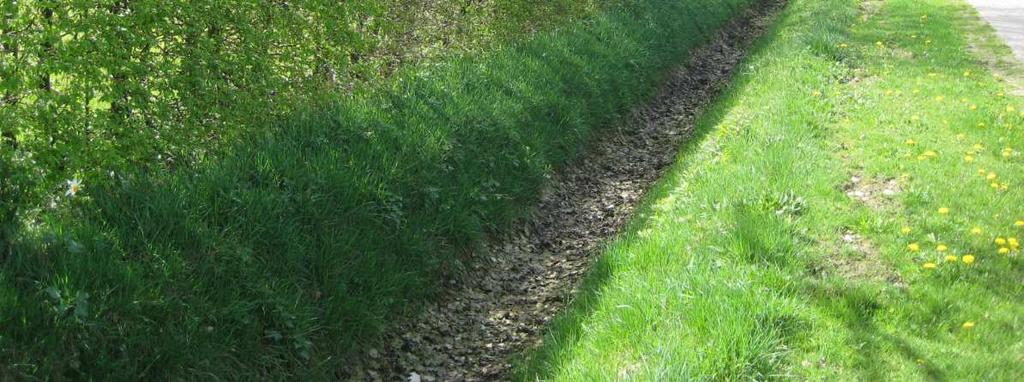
(873, 192)
(522, 279)
(856, 259)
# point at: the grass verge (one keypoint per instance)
(851, 210)
(294, 248)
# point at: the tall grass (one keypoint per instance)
(299, 245)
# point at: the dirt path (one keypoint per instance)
(1007, 17)
(505, 301)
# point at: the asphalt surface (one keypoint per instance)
(1007, 17)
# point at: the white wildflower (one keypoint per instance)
(74, 185)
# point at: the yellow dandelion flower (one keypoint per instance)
(973, 107)
(951, 259)
(968, 259)
(906, 230)
(979, 146)
(941, 248)
(1000, 241)
(982, 171)
(994, 185)
(991, 176)
(968, 158)
(976, 231)
(930, 154)
(844, 45)
(967, 73)
(1000, 94)
(968, 325)
(944, 211)
(911, 142)
(914, 247)
(879, 44)
(1004, 251)
(929, 265)
(1019, 224)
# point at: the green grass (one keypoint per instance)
(297, 246)
(737, 267)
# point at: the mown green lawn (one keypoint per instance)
(850, 210)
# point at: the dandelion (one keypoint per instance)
(968, 259)
(879, 44)
(967, 73)
(1013, 242)
(973, 107)
(1000, 241)
(951, 259)
(906, 230)
(914, 247)
(844, 45)
(1004, 251)
(929, 265)
(991, 176)
(930, 154)
(968, 325)
(979, 146)
(968, 158)
(74, 185)
(982, 171)
(910, 142)
(976, 231)
(941, 248)
(944, 211)
(1019, 224)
